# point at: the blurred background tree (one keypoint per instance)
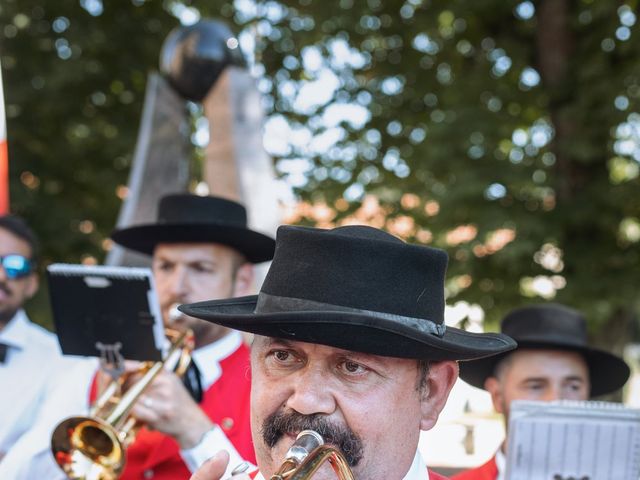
(504, 132)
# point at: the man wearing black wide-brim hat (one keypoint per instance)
(350, 342)
(553, 361)
(201, 248)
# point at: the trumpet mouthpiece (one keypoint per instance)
(306, 442)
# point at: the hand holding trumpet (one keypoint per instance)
(214, 468)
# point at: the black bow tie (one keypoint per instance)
(3, 352)
(193, 382)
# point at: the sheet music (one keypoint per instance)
(573, 441)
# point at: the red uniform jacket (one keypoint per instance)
(488, 471)
(436, 476)
(154, 455)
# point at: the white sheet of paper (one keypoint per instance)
(573, 441)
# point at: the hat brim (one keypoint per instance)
(607, 372)
(255, 246)
(350, 331)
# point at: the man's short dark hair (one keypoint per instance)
(18, 227)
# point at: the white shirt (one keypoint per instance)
(417, 471)
(215, 440)
(501, 464)
(25, 376)
(31, 458)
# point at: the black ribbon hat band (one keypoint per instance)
(275, 304)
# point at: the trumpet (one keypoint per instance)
(306, 456)
(93, 447)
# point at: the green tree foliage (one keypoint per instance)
(504, 132)
(74, 76)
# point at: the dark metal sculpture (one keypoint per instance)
(194, 57)
(192, 60)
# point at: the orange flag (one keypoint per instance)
(4, 156)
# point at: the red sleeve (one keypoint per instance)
(436, 476)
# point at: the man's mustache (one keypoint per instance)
(279, 423)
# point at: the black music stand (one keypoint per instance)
(106, 312)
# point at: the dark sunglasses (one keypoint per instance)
(16, 266)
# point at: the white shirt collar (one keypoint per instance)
(16, 332)
(208, 357)
(501, 464)
(417, 471)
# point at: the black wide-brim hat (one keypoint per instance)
(552, 326)
(356, 288)
(185, 218)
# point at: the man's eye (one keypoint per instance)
(203, 269)
(281, 355)
(353, 367)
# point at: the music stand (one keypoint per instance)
(106, 312)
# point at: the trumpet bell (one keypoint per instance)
(93, 447)
(88, 448)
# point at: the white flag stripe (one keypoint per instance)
(3, 121)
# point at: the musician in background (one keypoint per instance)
(24, 346)
(350, 342)
(200, 247)
(553, 361)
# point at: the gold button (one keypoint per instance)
(227, 423)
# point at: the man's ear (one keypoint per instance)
(440, 380)
(493, 386)
(243, 284)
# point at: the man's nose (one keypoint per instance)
(178, 283)
(311, 393)
(552, 393)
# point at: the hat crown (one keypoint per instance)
(551, 324)
(187, 208)
(187, 218)
(358, 267)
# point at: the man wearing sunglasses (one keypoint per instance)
(24, 346)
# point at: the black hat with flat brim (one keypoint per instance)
(552, 327)
(185, 218)
(356, 288)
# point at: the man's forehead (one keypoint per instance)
(194, 251)
(12, 243)
(525, 362)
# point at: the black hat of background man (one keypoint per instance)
(552, 327)
(356, 288)
(192, 218)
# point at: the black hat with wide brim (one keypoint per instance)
(553, 326)
(356, 288)
(185, 218)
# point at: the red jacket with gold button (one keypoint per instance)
(154, 455)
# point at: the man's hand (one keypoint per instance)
(166, 406)
(214, 468)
